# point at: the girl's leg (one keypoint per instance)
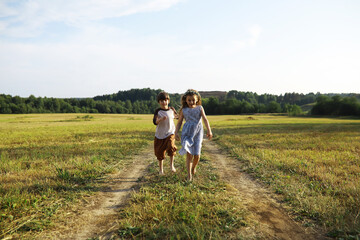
(161, 168)
(189, 165)
(195, 162)
(172, 164)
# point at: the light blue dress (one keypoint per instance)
(192, 132)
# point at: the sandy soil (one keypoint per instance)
(97, 217)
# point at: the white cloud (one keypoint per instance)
(95, 57)
(29, 17)
(6, 11)
(254, 32)
(94, 61)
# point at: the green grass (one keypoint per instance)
(48, 161)
(314, 163)
(170, 207)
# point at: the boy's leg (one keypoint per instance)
(189, 165)
(161, 167)
(160, 149)
(171, 151)
(195, 162)
(172, 164)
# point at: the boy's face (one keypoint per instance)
(164, 104)
(191, 101)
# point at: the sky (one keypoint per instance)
(86, 48)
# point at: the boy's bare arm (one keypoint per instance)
(176, 115)
(158, 120)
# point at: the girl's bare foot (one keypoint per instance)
(193, 171)
(161, 173)
(173, 169)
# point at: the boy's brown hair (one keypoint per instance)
(162, 96)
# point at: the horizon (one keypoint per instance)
(80, 48)
(200, 91)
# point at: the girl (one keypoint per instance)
(192, 133)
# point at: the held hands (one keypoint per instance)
(177, 138)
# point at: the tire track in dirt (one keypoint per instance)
(275, 223)
(97, 218)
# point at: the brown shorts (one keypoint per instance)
(164, 145)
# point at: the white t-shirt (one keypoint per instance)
(167, 127)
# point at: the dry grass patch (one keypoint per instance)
(49, 161)
(169, 207)
(313, 163)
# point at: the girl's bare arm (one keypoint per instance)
(207, 124)
(178, 125)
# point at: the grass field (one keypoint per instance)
(48, 161)
(169, 207)
(313, 162)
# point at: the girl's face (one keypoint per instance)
(191, 101)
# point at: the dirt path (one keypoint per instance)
(275, 223)
(97, 217)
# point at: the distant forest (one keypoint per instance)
(143, 101)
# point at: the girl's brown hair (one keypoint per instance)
(190, 92)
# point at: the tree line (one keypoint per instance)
(143, 101)
(9, 105)
(336, 106)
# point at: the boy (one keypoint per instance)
(165, 128)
